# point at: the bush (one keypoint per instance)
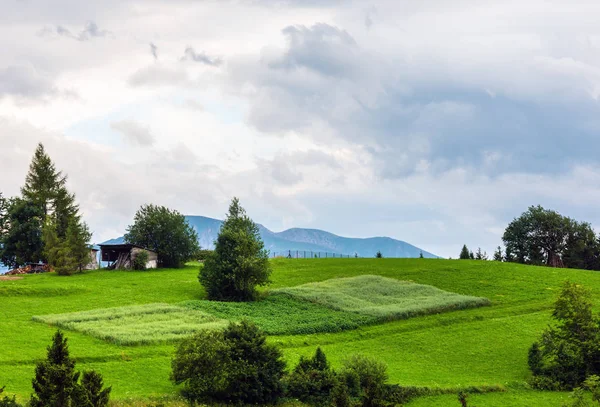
(140, 260)
(8, 402)
(313, 382)
(366, 379)
(568, 352)
(234, 366)
(239, 262)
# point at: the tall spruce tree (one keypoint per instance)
(464, 253)
(239, 262)
(42, 181)
(55, 378)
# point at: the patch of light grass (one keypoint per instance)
(138, 324)
(381, 297)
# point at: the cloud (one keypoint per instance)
(25, 82)
(90, 30)
(159, 75)
(191, 55)
(134, 133)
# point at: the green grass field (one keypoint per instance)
(468, 347)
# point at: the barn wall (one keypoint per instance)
(152, 257)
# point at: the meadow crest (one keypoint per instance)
(471, 347)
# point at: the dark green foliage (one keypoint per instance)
(544, 237)
(366, 379)
(22, 242)
(239, 262)
(71, 253)
(234, 366)
(480, 255)
(313, 382)
(7, 401)
(201, 365)
(421, 255)
(55, 378)
(56, 382)
(498, 254)
(378, 254)
(90, 392)
(471, 256)
(140, 260)
(166, 232)
(568, 352)
(464, 253)
(202, 254)
(4, 224)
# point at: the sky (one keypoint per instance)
(433, 122)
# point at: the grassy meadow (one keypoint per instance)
(484, 346)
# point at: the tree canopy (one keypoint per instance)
(239, 262)
(165, 232)
(545, 237)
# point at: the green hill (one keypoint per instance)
(457, 348)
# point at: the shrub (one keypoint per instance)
(239, 262)
(8, 402)
(568, 352)
(313, 382)
(366, 379)
(234, 366)
(140, 260)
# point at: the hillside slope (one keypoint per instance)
(279, 243)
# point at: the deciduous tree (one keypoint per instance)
(164, 231)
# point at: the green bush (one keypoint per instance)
(233, 366)
(140, 260)
(366, 379)
(313, 382)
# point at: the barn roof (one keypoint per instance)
(121, 246)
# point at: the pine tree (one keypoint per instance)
(239, 262)
(55, 378)
(464, 253)
(471, 255)
(78, 236)
(498, 254)
(90, 392)
(421, 255)
(42, 181)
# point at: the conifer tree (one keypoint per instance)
(22, 241)
(55, 378)
(90, 392)
(471, 255)
(498, 254)
(464, 253)
(78, 236)
(4, 205)
(42, 181)
(239, 262)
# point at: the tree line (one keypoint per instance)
(544, 237)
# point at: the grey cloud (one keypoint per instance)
(134, 133)
(323, 48)
(90, 30)
(25, 82)
(191, 55)
(154, 50)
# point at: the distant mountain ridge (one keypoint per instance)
(300, 239)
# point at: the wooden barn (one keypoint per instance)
(121, 256)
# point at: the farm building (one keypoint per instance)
(121, 256)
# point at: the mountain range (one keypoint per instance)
(310, 240)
